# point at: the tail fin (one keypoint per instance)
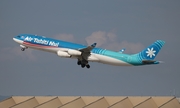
(151, 52)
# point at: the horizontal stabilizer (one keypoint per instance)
(122, 50)
(150, 62)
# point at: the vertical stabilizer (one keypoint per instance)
(151, 52)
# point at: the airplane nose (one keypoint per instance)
(16, 40)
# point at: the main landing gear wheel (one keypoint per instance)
(79, 62)
(83, 65)
(88, 66)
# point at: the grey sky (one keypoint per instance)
(113, 24)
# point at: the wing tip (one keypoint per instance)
(94, 44)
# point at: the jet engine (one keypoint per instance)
(63, 54)
(74, 52)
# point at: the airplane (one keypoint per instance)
(85, 54)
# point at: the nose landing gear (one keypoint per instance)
(22, 49)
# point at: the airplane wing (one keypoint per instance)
(81, 54)
(86, 51)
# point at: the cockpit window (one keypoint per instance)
(18, 36)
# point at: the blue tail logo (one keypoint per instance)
(151, 52)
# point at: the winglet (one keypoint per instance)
(93, 45)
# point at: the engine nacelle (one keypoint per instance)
(63, 54)
(22, 46)
(74, 52)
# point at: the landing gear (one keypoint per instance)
(88, 66)
(83, 64)
(79, 63)
(22, 49)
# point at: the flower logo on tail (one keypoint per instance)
(150, 52)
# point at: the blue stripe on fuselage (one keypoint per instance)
(39, 40)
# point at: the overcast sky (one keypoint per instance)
(113, 24)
